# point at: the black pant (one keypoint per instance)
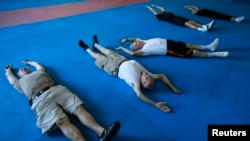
(213, 14)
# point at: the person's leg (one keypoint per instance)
(195, 26)
(103, 49)
(86, 48)
(197, 53)
(218, 15)
(214, 14)
(218, 54)
(195, 23)
(88, 120)
(212, 46)
(191, 25)
(193, 46)
(200, 27)
(70, 130)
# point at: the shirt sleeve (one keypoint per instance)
(17, 86)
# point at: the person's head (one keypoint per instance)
(147, 82)
(23, 71)
(137, 45)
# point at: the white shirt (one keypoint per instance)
(155, 46)
(130, 72)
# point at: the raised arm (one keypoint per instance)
(130, 52)
(161, 105)
(128, 40)
(9, 74)
(194, 9)
(161, 9)
(38, 66)
(151, 10)
(165, 80)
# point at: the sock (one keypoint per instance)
(88, 50)
(203, 29)
(204, 26)
(239, 19)
(212, 46)
(218, 54)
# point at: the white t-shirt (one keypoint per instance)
(155, 46)
(130, 72)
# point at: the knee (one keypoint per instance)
(79, 109)
(63, 121)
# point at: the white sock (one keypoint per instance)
(212, 46)
(88, 50)
(203, 29)
(239, 19)
(204, 26)
(218, 54)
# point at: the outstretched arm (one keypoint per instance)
(128, 40)
(165, 80)
(194, 9)
(9, 74)
(159, 8)
(161, 105)
(151, 10)
(133, 53)
(38, 66)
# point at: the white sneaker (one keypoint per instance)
(222, 54)
(214, 44)
(239, 19)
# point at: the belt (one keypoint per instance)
(39, 94)
(121, 63)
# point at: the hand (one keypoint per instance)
(26, 61)
(163, 106)
(8, 67)
(123, 41)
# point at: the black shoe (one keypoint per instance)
(83, 45)
(110, 131)
(95, 40)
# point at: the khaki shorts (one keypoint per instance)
(52, 105)
(110, 63)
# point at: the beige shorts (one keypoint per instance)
(110, 63)
(52, 105)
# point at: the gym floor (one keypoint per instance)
(215, 90)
